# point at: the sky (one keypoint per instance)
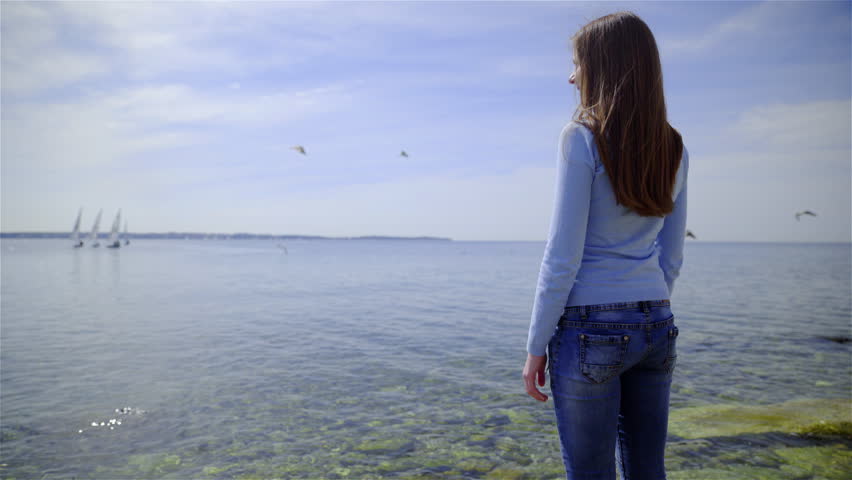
(184, 114)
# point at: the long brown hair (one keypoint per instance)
(621, 100)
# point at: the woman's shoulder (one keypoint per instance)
(578, 134)
(576, 128)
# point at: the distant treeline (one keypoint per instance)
(216, 236)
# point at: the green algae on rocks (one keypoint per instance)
(734, 419)
(823, 429)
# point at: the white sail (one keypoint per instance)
(93, 237)
(113, 234)
(75, 234)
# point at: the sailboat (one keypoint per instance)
(75, 234)
(126, 240)
(114, 242)
(93, 237)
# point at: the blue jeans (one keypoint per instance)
(610, 375)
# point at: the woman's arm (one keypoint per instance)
(671, 238)
(564, 251)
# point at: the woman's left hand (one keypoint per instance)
(534, 370)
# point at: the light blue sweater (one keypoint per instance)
(597, 251)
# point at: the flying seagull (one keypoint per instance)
(299, 149)
(403, 154)
(806, 212)
(690, 234)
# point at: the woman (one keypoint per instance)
(601, 314)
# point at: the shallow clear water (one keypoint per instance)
(370, 358)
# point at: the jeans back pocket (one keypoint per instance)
(671, 351)
(602, 356)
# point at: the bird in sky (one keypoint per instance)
(806, 212)
(403, 154)
(299, 149)
(690, 234)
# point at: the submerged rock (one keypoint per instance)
(836, 338)
(386, 445)
(497, 421)
(823, 428)
(735, 419)
(817, 462)
(154, 465)
(504, 474)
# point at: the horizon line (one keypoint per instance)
(53, 235)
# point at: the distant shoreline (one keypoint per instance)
(258, 236)
(217, 236)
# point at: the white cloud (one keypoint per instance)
(33, 59)
(49, 45)
(748, 20)
(804, 127)
(760, 20)
(108, 128)
(146, 40)
(48, 69)
(790, 141)
(775, 160)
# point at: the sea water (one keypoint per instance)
(387, 359)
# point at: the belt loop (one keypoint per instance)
(644, 305)
(584, 312)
